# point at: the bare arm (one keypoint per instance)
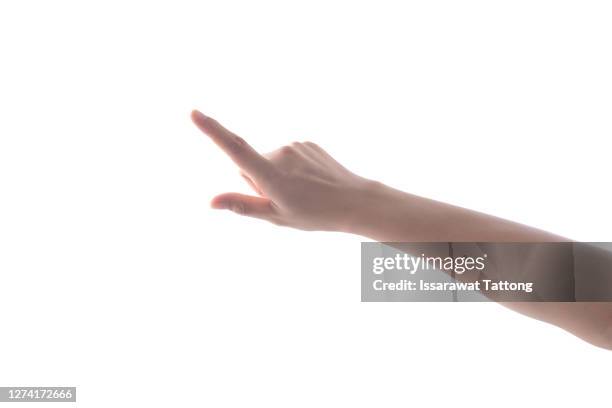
(302, 186)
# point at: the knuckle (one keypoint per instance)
(240, 141)
(239, 208)
(313, 145)
(287, 150)
(237, 144)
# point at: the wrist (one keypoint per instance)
(385, 214)
(365, 204)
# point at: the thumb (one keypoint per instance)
(258, 207)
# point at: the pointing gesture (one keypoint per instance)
(302, 186)
(236, 147)
(298, 185)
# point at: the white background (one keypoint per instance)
(116, 276)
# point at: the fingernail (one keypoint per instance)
(218, 205)
(197, 115)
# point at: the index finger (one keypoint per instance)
(236, 147)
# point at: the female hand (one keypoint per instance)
(299, 185)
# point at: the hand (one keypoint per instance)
(300, 185)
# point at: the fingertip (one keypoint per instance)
(218, 203)
(198, 117)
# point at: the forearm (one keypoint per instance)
(389, 215)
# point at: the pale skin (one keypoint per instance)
(302, 186)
